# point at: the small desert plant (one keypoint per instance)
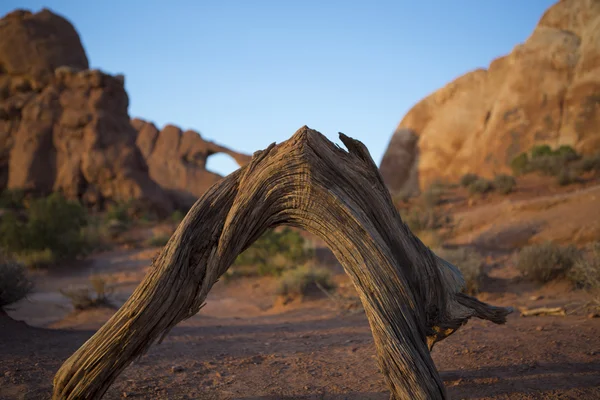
(304, 280)
(589, 163)
(433, 195)
(470, 264)
(545, 160)
(519, 164)
(158, 240)
(468, 179)
(275, 251)
(12, 199)
(14, 283)
(481, 186)
(419, 219)
(50, 224)
(121, 211)
(541, 151)
(36, 258)
(504, 184)
(177, 216)
(585, 272)
(566, 176)
(84, 298)
(547, 261)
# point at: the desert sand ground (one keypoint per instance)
(249, 344)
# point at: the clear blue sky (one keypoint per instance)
(248, 73)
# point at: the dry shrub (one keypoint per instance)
(84, 298)
(469, 262)
(304, 280)
(14, 282)
(547, 261)
(481, 186)
(467, 179)
(504, 184)
(585, 272)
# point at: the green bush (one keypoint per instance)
(50, 224)
(481, 185)
(12, 198)
(276, 251)
(177, 216)
(304, 280)
(519, 164)
(470, 264)
(14, 283)
(541, 151)
(504, 183)
(158, 240)
(546, 262)
(467, 179)
(566, 153)
(544, 160)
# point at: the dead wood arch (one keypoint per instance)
(411, 297)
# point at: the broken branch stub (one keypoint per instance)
(411, 297)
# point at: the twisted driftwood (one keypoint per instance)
(411, 297)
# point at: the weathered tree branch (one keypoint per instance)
(411, 297)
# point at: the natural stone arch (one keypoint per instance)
(411, 297)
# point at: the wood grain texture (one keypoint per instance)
(411, 297)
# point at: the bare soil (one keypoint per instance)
(249, 344)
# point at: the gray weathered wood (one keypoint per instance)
(411, 297)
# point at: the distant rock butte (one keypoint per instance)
(66, 128)
(547, 91)
(184, 175)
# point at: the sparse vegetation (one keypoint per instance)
(275, 251)
(14, 283)
(120, 211)
(470, 264)
(158, 240)
(481, 186)
(12, 199)
(566, 176)
(50, 228)
(468, 179)
(84, 298)
(585, 272)
(519, 164)
(563, 163)
(304, 280)
(504, 184)
(177, 216)
(433, 195)
(547, 261)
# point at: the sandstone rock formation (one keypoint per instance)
(63, 128)
(177, 160)
(66, 128)
(547, 91)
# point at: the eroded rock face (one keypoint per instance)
(547, 91)
(66, 128)
(62, 128)
(36, 44)
(184, 175)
